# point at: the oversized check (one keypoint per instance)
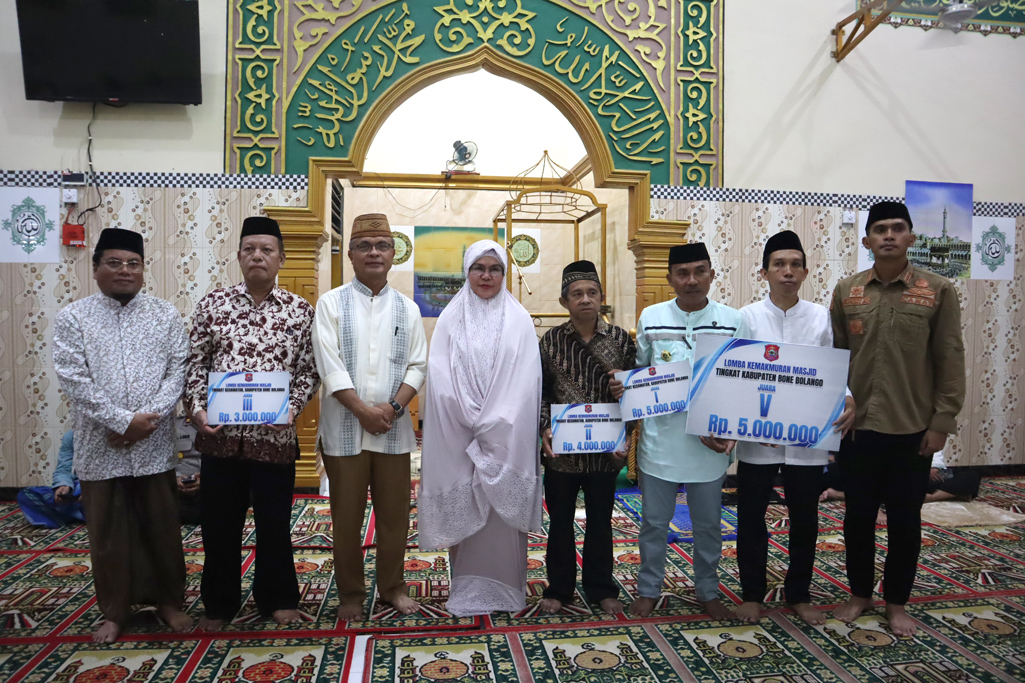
(587, 428)
(785, 394)
(245, 398)
(657, 390)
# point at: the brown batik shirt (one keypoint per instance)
(574, 371)
(232, 334)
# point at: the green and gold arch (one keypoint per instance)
(305, 75)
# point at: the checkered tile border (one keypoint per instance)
(29, 178)
(845, 201)
(998, 209)
(204, 180)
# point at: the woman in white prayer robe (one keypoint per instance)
(480, 489)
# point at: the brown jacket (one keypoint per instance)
(907, 369)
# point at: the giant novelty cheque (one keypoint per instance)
(587, 428)
(654, 391)
(247, 398)
(773, 393)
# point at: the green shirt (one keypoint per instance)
(907, 368)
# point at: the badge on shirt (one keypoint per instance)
(858, 290)
(856, 326)
(921, 282)
(928, 302)
(857, 301)
(922, 291)
(666, 355)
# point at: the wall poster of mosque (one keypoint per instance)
(438, 264)
(304, 77)
(942, 214)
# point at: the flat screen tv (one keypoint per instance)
(115, 51)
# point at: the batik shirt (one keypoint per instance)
(230, 333)
(114, 361)
(575, 371)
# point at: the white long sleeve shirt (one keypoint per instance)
(114, 361)
(376, 336)
(806, 323)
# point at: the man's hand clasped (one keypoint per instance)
(141, 426)
(376, 419)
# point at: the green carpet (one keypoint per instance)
(968, 598)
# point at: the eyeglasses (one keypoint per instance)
(134, 266)
(381, 247)
(493, 271)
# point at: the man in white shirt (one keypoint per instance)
(783, 317)
(371, 353)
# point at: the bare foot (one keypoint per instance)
(284, 617)
(107, 633)
(404, 604)
(900, 621)
(808, 612)
(831, 494)
(550, 605)
(880, 518)
(717, 610)
(852, 609)
(611, 606)
(749, 612)
(208, 624)
(175, 618)
(353, 612)
(642, 607)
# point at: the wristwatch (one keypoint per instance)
(399, 410)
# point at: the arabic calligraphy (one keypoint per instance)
(636, 122)
(313, 12)
(333, 93)
(1004, 11)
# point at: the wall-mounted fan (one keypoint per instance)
(462, 157)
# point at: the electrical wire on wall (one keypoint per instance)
(92, 172)
(89, 155)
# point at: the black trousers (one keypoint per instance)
(883, 469)
(561, 490)
(228, 486)
(801, 487)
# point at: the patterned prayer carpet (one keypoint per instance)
(968, 598)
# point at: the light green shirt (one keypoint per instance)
(666, 334)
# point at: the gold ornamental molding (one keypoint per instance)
(305, 229)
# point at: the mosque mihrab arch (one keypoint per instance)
(310, 84)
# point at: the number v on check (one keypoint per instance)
(765, 400)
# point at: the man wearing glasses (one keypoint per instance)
(120, 358)
(254, 326)
(372, 357)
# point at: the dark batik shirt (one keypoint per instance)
(230, 333)
(577, 372)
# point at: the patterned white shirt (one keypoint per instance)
(114, 361)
